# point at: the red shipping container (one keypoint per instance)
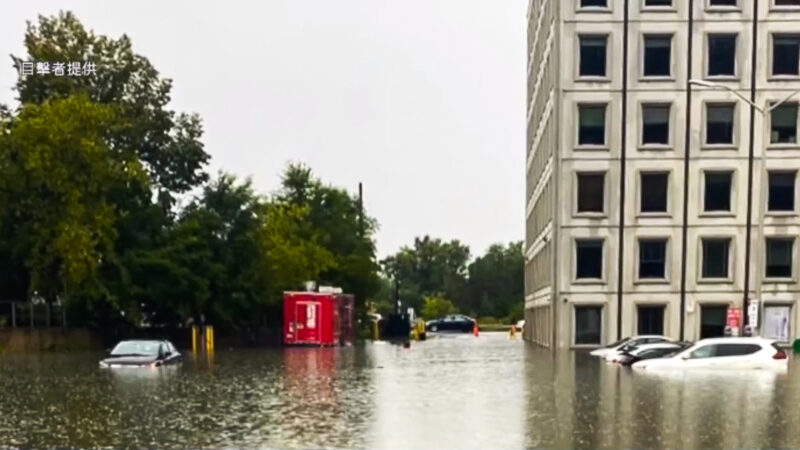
(313, 318)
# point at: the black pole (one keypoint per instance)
(360, 209)
(750, 158)
(686, 156)
(620, 265)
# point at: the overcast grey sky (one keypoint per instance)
(421, 100)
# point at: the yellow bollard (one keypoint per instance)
(512, 332)
(209, 338)
(194, 338)
(375, 331)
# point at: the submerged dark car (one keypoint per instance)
(453, 323)
(141, 353)
(649, 351)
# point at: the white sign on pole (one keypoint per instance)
(752, 313)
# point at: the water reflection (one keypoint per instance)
(455, 392)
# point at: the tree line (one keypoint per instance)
(107, 207)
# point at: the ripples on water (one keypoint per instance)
(452, 392)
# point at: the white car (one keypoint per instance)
(723, 353)
(612, 350)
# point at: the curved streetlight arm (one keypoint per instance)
(733, 91)
(765, 110)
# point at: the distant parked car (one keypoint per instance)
(648, 351)
(611, 350)
(141, 353)
(453, 323)
(723, 353)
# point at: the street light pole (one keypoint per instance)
(760, 250)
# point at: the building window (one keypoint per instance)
(721, 55)
(777, 321)
(786, 54)
(717, 195)
(657, 55)
(652, 258)
(781, 191)
(719, 123)
(650, 320)
(592, 56)
(593, 4)
(722, 3)
(715, 257)
(655, 124)
(657, 3)
(592, 125)
(653, 193)
(787, 2)
(588, 325)
(779, 257)
(589, 256)
(591, 195)
(783, 123)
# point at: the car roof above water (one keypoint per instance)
(736, 340)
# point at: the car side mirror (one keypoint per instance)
(685, 357)
(167, 354)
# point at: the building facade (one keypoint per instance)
(662, 163)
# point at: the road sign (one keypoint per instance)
(734, 319)
(752, 313)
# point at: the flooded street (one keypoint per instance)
(452, 392)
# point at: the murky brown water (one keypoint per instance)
(458, 392)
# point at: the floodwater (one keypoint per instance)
(450, 392)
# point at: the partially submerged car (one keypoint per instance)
(453, 323)
(649, 351)
(141, 353)
(611, 350)
(723, 353)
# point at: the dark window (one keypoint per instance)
(713, 321)
(654, 192)
(657, 56)
(589, 255)
(781, 191)
(721, 54)
(591, 187)
(655, 124)
(719, 123)
(722, 2)
(784, 124)
(718, 191)
(652, 258)
(736, 349)
(786, 54)
(593, 3)
(657, 2)
(715, 258)
(588, 323)
(787, 2)
(592, 125)
(593, 56)
(779, 257)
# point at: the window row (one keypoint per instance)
(656, 4)
(715, 258)
(657, 55)
(650, 318)
(721, 125)
(717, 192)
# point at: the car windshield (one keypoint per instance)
(618, 343)
(138, 348)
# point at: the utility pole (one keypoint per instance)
(360, 210)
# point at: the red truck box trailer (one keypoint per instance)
(314, 318)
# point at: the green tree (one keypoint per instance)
(436, 307)
(496, 281)
(428, 268)
(57, 179)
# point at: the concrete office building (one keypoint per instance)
(657, 196)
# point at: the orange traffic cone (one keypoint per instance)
(475, 329)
